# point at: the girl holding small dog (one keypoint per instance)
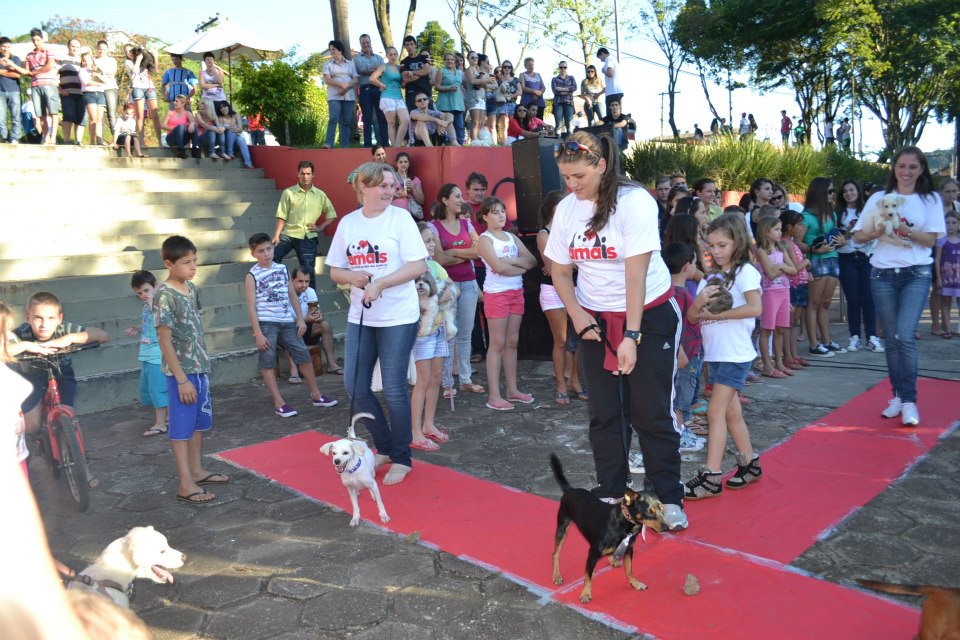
(854, 261)
(430, 350)
(607, 225)
(902, 273)
(729, 354)
(777, 265)
(506, 260)
(821, 242)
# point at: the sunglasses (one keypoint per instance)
(563, 67)
(570, 148)
(831, 192)
(775, 198)
(508, 66)
(421, 100)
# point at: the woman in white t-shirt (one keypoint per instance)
(903, 272)
(624, 312)
(378, 251)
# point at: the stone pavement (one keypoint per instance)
(265, 563)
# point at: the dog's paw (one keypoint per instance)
(355, 521)
(384, 518)
(557, 580)
(616, 563)
(585, 598)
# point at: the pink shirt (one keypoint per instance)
(462, 272)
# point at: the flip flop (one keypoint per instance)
(439, 437)
(774, 373)
(154, 431)
(424, 445)
(562, 398)
(472, 387)
(522, 398)
(209, 479)
(294, 380)
(337, 371)
(502, 405)
(697, 429)
(189, 498)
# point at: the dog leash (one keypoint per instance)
(356, 362)
(601, 328)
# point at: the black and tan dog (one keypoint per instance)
(609, 529)
(941, 609)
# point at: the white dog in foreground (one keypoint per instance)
(885, 217)
(356, 465)
(142, 553)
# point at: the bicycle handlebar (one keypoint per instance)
(49, 357)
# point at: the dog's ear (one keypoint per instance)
(325, 449)
(359, 448)
(630, 497)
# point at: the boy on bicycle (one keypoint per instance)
(45, 332)
(186, 365)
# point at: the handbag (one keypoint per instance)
(415, 208)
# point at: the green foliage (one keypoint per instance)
(291, 103)
(585, 21)
(734, 164)
(62, 29)
(437, 41)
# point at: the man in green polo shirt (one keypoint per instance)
(301, 208)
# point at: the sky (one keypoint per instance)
(309, 30)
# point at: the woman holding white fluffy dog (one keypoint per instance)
(902, 272)
(378, 251)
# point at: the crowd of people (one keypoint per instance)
(75, 99)
(458, 101)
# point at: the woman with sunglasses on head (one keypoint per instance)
(607, 226)
(903, 271)
(591, 89)
(854, 262)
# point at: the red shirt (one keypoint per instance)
(255, 122)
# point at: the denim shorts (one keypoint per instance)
(431, 346)
(187, 419)
(506, 108)
(800, 296)
(94, 97)
(46, 100)
(825, 267)
(153, 386)
(284, 333)
(491, 106)
(729, 374)
(144, 94)
(685, 385)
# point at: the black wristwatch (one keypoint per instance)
(633, 335)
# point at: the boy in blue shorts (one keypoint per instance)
(186, 365)
(153, 385)
(273, 308)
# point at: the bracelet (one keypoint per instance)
(184, 382)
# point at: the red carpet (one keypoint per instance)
(811, 482)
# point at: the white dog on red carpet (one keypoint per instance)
(356, 465)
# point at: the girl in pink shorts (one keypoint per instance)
(506, 260)
(776, 264)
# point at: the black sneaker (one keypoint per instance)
(822, 351)
(746, 473)
(833, 346)
(705, 484)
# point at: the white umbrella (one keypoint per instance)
(224, 40)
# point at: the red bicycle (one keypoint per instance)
(61, 441)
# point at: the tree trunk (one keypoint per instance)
(340, 12)
(381, 13)
(706, 90)
(672, 91)
(408, 28)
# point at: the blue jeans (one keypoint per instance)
(392, 345)
(211, 140)
(900, 296)
(620, 137)
(373, 118)
(233, 140)
(178, 137)
(593, 113)
(855, 282)
(685, 385)
(466, 309)
(306, 250)
(564, 112)
(341, 112)
(458, 126)
(10, 104)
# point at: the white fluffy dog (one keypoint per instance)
(142, 553)
(431, 293)
(356, 465)
(885, 217)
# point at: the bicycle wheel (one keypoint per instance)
(74, 463)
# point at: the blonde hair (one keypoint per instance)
(370, 174)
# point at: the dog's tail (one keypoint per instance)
(899, 589)
(558, 472)
(352, 430)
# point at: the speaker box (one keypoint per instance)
(536, 174)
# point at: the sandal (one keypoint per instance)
(294, 380)
(696, 428)
(439, 437)
(803, 362)
(501, 405)
(793, 364)
(475, 358)
(155, 431)
(449, 393)
(424, 445)
(522, 398)
(786, 370)
(744, 400)
(562, 398)
(774, 373)
(337, 371)
(472, 387)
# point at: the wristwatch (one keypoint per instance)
(633, 335)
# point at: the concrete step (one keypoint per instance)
(93, 244)
(109, 200)
(80, 188)
(32, 174)
(107, 162)
(259, 217)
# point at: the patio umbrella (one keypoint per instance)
(225, 40)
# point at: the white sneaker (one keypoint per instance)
(909, 414)
(675, 518)
(875, 345)
(894, 408)
(635, 461)
(854, 344)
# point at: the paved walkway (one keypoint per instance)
(264, 563)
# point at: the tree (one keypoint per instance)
(659, 17)
(62, 29)
(585, 22)
(340, 13)
(437, 41)
(499, 15)
(381, 13)
(275, 89)
(459, 10)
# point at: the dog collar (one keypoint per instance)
(626, 514)
(356, 466)
(101, 586)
